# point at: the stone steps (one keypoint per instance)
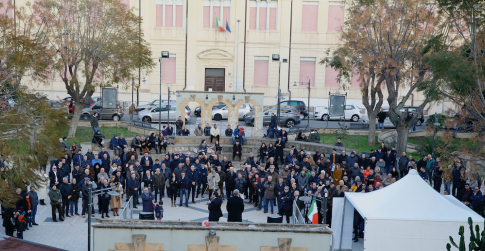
(255, 143)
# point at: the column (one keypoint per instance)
(267, 14)
(221, 10)
(174, 12)
(257, 14)
(163, 15)
(212, 14)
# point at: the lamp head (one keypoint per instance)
(275, 57)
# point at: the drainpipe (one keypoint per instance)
(186, 31)
(289, 49)
(244, 56)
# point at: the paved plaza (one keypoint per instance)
(72, 234)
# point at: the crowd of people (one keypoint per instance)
(270, 180)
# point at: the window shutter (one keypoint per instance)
(207, 16)
(331, 76)
(335, 17)
(168, 15)
(261, 67)
(307, 70)
(159, 18)
(309, 16)
(252, 18)
(169, 70)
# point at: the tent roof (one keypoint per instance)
(410, 198)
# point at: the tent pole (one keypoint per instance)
(342, 227)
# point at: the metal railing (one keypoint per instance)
(127, 210)
(323, 204)
(297, 217)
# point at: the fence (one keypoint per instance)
(127, 210)
(297, 217)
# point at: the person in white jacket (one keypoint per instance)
(215, 133)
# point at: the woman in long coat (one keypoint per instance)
(116, 202)
(43, 187)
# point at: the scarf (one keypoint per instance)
(28, 203)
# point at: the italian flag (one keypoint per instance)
(313, 213)
(219, 24)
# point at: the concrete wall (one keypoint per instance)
(238, 236)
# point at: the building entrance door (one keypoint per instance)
(215, 80)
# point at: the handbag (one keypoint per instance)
(29, 219)
(167, 184)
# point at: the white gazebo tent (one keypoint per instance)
(407, 215)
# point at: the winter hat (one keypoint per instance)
(116, 135)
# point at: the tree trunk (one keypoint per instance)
(75, 120)
(402, 137)
(371, 140)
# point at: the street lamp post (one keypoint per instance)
(92, 192)
(436, 124)
(165, 54)
(131, 105)
(309, 85)
(276, 58)
(237, 54)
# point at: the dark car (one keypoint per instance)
(289, 117)
(298, 105)
(91, 101)
(217, 106)
(410, 109)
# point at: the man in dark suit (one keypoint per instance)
(235, 207)
(230, 182)
(279, 146)
(215, 204)
(55, 177)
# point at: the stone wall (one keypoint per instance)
(138, 235)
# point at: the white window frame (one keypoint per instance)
(216, 3)
(174, 4)
(268, 4)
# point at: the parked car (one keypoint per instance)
(389, 124)
(153, 114)
(300, 106)
(351, 112)
(91, 101)
(223, 112)
(289, 117)
(410, 109)
(155, 102)
(217, 106)
(105, 113)
(58, 105)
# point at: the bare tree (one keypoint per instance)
(388, 40)
(97, 42)
(350, 62)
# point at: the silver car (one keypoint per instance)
(223, 112)
(155, 102)
(153, 114)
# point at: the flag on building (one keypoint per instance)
(313, 213)
(227, 26)
(219, 24)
